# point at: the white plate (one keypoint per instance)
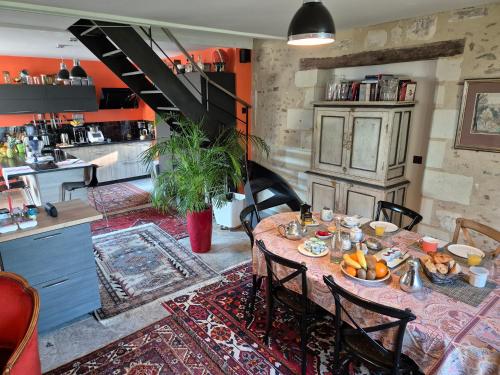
(307, 253)
(366, 282)
(389, 227)
(464, 250)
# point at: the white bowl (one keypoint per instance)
(351, 221)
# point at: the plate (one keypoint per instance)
(366, 282)
(392, 256)
(464, 250)
(389, 227)
(307, 253)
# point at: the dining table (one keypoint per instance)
(450, 335)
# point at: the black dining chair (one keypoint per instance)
(384, 206)
(249, 218)
(356, 342)
(298, 303)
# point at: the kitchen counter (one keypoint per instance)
(70, 213)
(20, 162)
(64, 147)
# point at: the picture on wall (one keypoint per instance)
(479, 122)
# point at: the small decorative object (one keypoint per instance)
(356, 234)
(326, 214)
(6, 77)
(411, 282)
(479, 122)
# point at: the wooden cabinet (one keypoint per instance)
(365, 144)
(359, 156)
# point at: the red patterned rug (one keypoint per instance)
(118, 197)
(170, 223)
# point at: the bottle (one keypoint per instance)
(337, 246)
(189, 67)
(200, 63)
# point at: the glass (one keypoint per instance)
(337, 248)
(379, 230)
(6, 77)
(330, 90)
(474, 259)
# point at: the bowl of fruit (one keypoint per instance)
(366, 269)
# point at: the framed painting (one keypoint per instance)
(479, 122)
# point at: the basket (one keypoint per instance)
(437, 278)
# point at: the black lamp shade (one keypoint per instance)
(63, 73)
(311, 25)
(77, 71)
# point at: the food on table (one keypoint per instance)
(351, 271)
(380, 270)
(371, 261)
(361, 258)
(322, 233)
(315, 246)
(332, 228)
(441, 264)
(361, 274)
(354, 257)
(350, 262)
(371, 275)
(474, 259)
(379, 230)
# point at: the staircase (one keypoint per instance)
(126, 53)
(259, 179)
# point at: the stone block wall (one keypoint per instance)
(456, 182)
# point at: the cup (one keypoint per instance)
(474, 259)
(379, 230)
(478, 276)
(429, 244)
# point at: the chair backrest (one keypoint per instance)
(466, 224)
(18, 324)
(249, 218)
(300, 270)
(400, 319)
(384, 206)
(93, 176)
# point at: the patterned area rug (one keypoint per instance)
(119, 196)
(165, 347)
(170, 223)
(140, 264)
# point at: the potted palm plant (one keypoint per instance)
(200, 175)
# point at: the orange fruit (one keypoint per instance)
(380, 270)
(354, 257)
(351, 271)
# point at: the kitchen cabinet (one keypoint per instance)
(56, 258)
(116, 161)
(18, 99)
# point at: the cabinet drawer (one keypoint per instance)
(65, 298)
(39, 258)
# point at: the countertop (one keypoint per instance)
(17, 161)
(70, 213)
(64, 147)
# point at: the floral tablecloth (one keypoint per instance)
(448, 336)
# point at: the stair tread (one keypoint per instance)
(89, 30)
(112, 53)
(151, 92)
(262, 183)
(276, 200)
(134, 73)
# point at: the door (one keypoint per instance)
(398, 148)
(330, 132)
(323, 192)
(367, 144)
(361, 200)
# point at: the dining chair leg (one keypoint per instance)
(250, 305)
(303, 342)
(269, 312)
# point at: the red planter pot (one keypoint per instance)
(199, 227)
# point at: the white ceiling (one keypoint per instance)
(228, 23)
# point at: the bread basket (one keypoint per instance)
(438, 278)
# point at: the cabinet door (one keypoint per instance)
(367, 145)
(398, 147)
(361, 200)
(323, 192)
(330, 131)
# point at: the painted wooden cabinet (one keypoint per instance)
(365, 144)
(359, 156)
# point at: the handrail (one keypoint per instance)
(171, 36)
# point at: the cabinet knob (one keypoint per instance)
(344, 169)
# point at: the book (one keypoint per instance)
(411, 88)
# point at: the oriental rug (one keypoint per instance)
(140, 264)
(118, 197)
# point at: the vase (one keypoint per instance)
(10, 153)
(199, 227)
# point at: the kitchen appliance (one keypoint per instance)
(64, 138)
(144, 134)
(94, 134)
(79, 134)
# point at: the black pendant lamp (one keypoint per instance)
(312, 25)
(63, 72)
(77, 71)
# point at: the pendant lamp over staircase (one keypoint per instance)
(312, 25)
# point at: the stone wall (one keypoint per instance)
(456, 182)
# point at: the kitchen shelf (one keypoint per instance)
(352, 103)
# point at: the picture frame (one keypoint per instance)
(479, 121)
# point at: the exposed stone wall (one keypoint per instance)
(456, 182)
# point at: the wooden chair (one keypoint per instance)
(249, 218)
(383, 207)
(355, 341)
(20, 305)
(466, 224)
(296, 302)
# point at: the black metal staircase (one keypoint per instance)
(126, 53)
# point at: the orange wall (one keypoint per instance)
(102, 76)
(243, 73)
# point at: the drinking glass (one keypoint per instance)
(379, 230)
(474, 259)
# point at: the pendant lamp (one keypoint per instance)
(63, 72)
(312, 25)
(77, 71)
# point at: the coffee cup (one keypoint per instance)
(429, 244)
(478, 276)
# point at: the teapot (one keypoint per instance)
(292, 231)
(411, 282)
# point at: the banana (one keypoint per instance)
(350, 262)
(361, 258)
